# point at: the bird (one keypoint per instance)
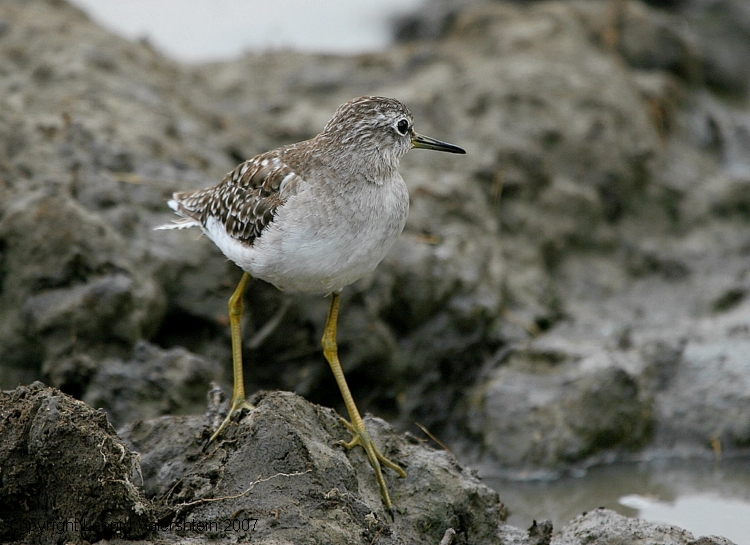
(314, 217)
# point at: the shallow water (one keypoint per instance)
(704, 498)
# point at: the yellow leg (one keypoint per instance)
(356, 427)
(238, 392)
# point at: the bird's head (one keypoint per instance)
(379, 131)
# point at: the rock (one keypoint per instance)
(707, 401)
(68, 286)
(276, 474)
(280, 471)
(605, 526)
(722, 28)
(537, 534)
(652, 39)
(646, 38)
(65, 473)
(556, 109)
(540, 412)
(698, 40)
(540, 534)
(152, 383)
(711, 540)
(169, 447)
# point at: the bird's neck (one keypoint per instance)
(355, 160)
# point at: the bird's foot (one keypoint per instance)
(238, 405)
(362, 438)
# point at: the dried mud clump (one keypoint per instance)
(64, 472)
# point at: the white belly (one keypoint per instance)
(322, 245)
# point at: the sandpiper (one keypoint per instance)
(314, 217)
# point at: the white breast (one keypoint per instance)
(321, 242)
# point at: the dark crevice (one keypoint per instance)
(180, 328)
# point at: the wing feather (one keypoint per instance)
(246, 200)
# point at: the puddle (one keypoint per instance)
(702, 497)
(702, 514)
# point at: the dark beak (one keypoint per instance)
(425, 142)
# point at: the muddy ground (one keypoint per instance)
(277, 476)
(572, 292)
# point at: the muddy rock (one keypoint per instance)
(711, 540)
(96, 143)
(706, 50)
(722, 29)
(623, 256)
(66, 475)
(536, 412)
(699, 406)
(280, 469)
(537, 534)
(153, 382)
(605, 526)
(68, 287)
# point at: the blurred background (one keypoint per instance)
(223, 29)
(567, 309)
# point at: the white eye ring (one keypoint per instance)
(402, 126)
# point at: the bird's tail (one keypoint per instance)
(182, 223)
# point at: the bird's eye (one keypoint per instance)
(402, 126)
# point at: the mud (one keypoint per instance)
(278, 475)
(574, 292)
(65, 473)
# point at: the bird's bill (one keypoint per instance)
(425, 142)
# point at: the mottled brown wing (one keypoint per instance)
(246, 199)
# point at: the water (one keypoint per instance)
(702, 497)
(202, 30)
